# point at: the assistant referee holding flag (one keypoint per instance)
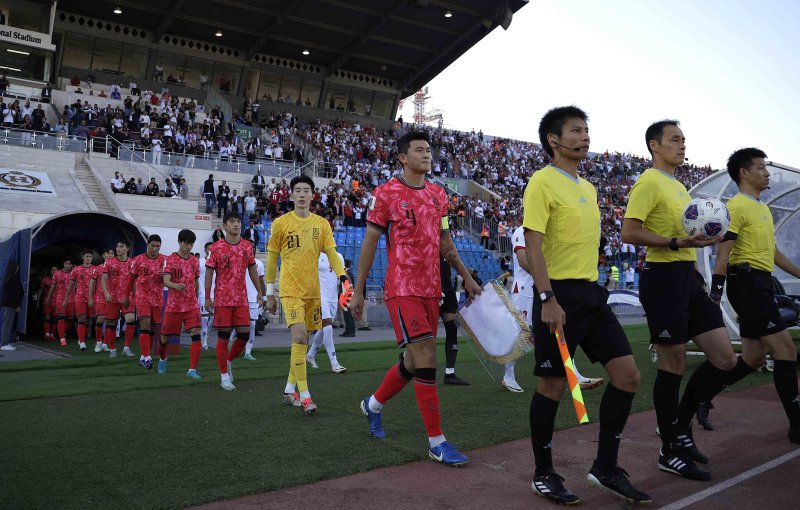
(562, 239)
(748, 256)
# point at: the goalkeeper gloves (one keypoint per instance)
(346, 295)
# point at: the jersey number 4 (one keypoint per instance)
(293, 241)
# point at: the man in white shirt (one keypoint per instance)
(250, 204)
(329, 286)
(630, 276)
(117, 183)
(253, 304)
(206, 318)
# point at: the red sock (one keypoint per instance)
(98, 333)
(222, 354)
(238, 347)
(110, 339)
(130, 330)
(144, 344)
(194, 354)
(62, 328)
(162, 350)
(396, 379)
(46, 328)
(81, 332)
(428, 400)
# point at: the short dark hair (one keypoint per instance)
(231, 216)
(125, 242)
(207, 244)
(656, 131)
(90, 252)
(67, 259)
(109, 249)
(405, 141)
(553, 123)
(301, 179)
(742, 158)
(186, 236)
(154, 237)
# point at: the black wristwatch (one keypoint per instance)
(545, 295)
(673, 244)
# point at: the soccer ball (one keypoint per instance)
(706, 215)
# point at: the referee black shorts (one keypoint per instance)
(590, 324)
(753, 299)
(676, 303)
(449, 302)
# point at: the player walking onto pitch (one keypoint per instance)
(48, 305)
(65, 307)
(97, 301)
(206, 318)
(253, 306)
(298, 238)
(146, 271)
(229, 259)
(80, 278)
(328, 284)
(414, 212)
(180, 274)
(562, 239)
(748, 255)
(114, 283)
(674, 298)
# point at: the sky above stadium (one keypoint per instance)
(728, 70)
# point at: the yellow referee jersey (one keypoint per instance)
(658, 200)
(565, 210)
(299, 241)
(751, 221)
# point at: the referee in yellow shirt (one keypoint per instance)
(748, 255)
(673, 296)
(298, 237)
(562, 238)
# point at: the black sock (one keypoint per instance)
(615, 406)
(450, 344)
(705, 384)
(785, 377)
(543, 421)
(666, 392)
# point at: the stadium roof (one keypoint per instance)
(408, 41)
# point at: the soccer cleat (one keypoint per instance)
(794, 435)
(143, 363)
(148, 363)
(291, 399)
(374, 419)
(448, 455)
(248, 357)
(682, 465)
(128, 352)
(162, 366)
(338, 369)
(512, 386)
(616, 482)
(192, 374)
(455, 380)
(82, 346)
(205, 347)
(590, 383)
(112, 353)
(105, 348)
(684, 442)
(702, 415)
(227, 385)
(230, 371)
(8, 347)
(98, 347)
(309, 407)
(311, 362)
(63, 342)
(551, 486)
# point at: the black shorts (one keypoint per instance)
(676, 303)
(590, 324)
(753, 299)
(449, 302)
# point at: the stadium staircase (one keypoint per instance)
(92, 187)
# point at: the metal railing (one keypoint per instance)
(42, 140)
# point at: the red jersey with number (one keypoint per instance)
(118, 274)
(47, 282)
(230, 262)
(185, 271)
(61, 282)
(81, 276)
(411, 216)
(97, 272)
(149, 282)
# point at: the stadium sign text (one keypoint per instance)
(27, 38)
(17, 181)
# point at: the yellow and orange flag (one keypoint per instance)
(572, 379)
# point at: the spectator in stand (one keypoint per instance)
(251, 233)
(83, 131)
(117, 183)
(170, 190)
(130, 186)
(177, 171)
(208, 193)
(258, 183)
(156, 148)
(250, 204)
(223, 194)
(183, 190)
(218, 234)
(140, 187)
(152, 188)
(158, 72)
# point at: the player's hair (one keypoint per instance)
(656, 131)
(553, 123)
(154, 237)
(186, 236)
(742, 158)
(207, 244)
(405, 141)
(90, 252)
(67, 259)
(301, 179)
(126, 243)
(231, 216)
(108, 249)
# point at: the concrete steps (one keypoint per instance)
(92, 186)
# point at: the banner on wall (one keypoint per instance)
(25, 181)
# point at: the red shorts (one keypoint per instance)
(173, 321)
(414, 318)
(113, 310)
(82, 308)
(67, 311)
(149, 312)
(231, 317)
(99, 307)
(50, 309)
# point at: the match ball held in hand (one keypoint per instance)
(706, 215)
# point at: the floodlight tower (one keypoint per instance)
(419, 106)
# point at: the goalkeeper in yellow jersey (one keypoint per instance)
(298, 237)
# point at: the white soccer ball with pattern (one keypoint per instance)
(706, 215)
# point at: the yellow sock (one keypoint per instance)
(299, 369)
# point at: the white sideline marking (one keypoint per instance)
(694, 498)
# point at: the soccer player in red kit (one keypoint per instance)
(146, 270)
(64, 307)
(97, 301)
(80, 278)
(413, 213)
(230, 259)
(180, 275)
(114, 282)
(48, 305)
